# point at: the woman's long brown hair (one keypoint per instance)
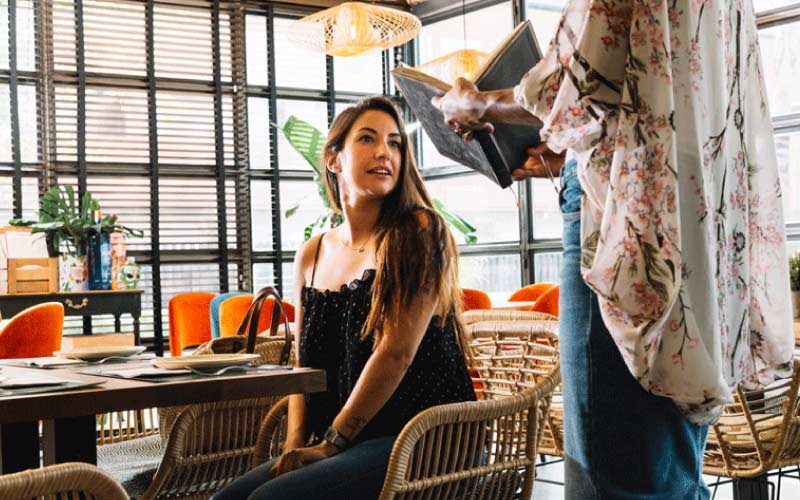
(416, 252)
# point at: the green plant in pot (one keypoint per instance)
(794, 282)
(68, 225)
(309, 142)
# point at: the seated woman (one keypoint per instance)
(390, 338)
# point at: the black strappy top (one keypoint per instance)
(331, 339)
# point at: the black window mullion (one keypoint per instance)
(154, 176)
(330, 89)
(81, 67)
(244, 232)
(277, 269)
(13, 87)
(219, 147)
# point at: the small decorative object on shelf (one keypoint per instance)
(794, 282)
(129, 274)
(118, 251)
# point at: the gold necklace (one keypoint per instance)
(359, 249)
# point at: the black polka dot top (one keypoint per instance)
(330, 339)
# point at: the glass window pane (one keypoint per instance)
(430, 156)
(296, 67)
(362, 73)
(496, 274)
(263, 275)
(304, 195)
(787, 147)
(491, 210)
(28, 133)
(261, 215)
(547, 267)
(546, 212)
(30, 198)
(258, 132)
(780, 51)
(288, 281)
(26, 36)
(762, 5)
(256, 50)
(5, 123)
(545, 16)
(447, 36)
(313, 112)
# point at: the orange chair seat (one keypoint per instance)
(233, 310)
(33, 333)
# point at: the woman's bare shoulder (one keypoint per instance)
(304, 258)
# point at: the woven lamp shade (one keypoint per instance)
(461, 63)
(352, 28)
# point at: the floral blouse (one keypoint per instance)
(682, 228)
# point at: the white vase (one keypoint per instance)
(72, 273)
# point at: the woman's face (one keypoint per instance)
(368, 166)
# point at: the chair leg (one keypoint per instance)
(780, 473)
(716, 485)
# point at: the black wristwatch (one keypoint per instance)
(332, 436)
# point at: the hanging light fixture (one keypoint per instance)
(352, 28)
(461, 63)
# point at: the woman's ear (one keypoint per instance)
(332, 162)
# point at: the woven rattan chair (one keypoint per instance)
(542, 328)
(759, 432)
(438, 453)
(69, 481)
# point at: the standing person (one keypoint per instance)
(674, 285)
(378, 310)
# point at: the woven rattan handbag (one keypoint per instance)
(272, 349)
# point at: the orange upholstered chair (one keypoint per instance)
(233, 309)
(189, 320)
(475, 299)
(530, 292)
(33, 333)
(547, 302)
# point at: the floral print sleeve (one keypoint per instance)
(682, 225)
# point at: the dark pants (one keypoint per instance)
(356, 473)
(621, 442)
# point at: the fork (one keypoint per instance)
(218, 372)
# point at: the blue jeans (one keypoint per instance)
(621, 442)
(357, 473)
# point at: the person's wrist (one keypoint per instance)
(328, 449)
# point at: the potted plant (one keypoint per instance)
(794, 283)
(68, 226)
(309, 141)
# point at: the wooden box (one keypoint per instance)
(70, 342)
(33, 275)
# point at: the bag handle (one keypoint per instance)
(251, 317)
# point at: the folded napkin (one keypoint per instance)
(48, 362)
(142, 371)
(13, 382)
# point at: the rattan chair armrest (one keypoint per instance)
(476, 315)
(267, 431)
(457, 414)
(59, 480)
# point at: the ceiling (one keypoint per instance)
(404, 4)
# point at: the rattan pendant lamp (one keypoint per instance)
(352, 28)
(461, 63)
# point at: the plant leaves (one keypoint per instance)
(306, 140)
(291, 211)
(466, 229)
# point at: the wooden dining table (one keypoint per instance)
(68, 417)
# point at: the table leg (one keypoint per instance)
(87, 325)
(70, 439)
(136, 332)
(117, 324)
(20, 447)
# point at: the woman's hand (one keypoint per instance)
(540, 158)
(300, 457)
(464, 107)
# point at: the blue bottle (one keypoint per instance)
(99, 256)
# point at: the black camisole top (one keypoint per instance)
(330, 339)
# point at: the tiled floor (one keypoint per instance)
(790, 488)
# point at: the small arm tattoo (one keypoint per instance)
(356, 423)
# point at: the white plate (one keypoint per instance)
(95, 353)
(26, 381)
(205, 361)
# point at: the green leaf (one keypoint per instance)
(291, 211)
(466, 229)
(309, 229)
(306, 140)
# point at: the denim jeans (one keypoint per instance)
(357, 473)
(621, 442)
